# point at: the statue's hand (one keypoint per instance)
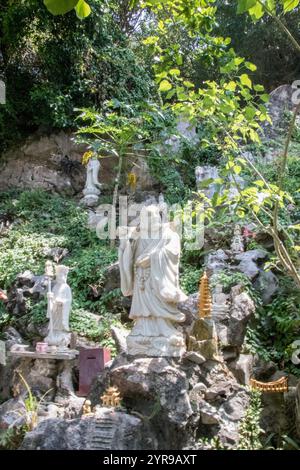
(143, 262)
(126, 233)
(50, 295)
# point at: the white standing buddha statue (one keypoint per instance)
(149, 267)
(92, 186)
(58, 312)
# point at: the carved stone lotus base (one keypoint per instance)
(90, 200)
(59, 339)
(156, 346)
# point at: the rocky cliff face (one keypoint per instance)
(49, 162)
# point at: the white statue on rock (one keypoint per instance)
(58, 312)
(92, 186)
(220, 305)
(237, 245)
(149, 267)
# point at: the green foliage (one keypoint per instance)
(41, 221)
(95, 329)
(229, 279)
(258, 8)
(190, 278)
(246, 34)
(58, 63)
(274, 329)
(60, 7)
(249, 430)
(12, 438)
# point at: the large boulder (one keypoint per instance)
(179, 400)
(50, 162)
(26, 286)
(267, 284)
(249, 262)
(104, 430)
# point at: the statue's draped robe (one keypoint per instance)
(155, 290)
(59, 315)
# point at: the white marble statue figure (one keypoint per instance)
(237, 245)
(92, 186)
(149, 265)
(58, 312)
(220, 301)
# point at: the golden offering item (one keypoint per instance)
(280, 385)
(204, 303)
(87, 408)
(132, 180)
(111, 397)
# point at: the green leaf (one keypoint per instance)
(251, 66)
(60, 7)
(271, 5)
(289, 5)
(259, 87)
(265, 98)
(245, 80)
(175, 72)
(250, 112)
(257, 11)
(231, 86)
(188, 84)
(150, 40)
(237, 169)
(245, 5)
(83, 10)
(165, 86)
(259, 183)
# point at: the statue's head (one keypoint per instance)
(61, 272)
(150, 221)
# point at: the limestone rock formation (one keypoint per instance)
(178, 400)
(104, 430)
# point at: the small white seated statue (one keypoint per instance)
(237, 245)
(220, 305)
(58, 312)
(92, 186)
(149, 267)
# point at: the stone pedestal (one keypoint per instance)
(203, 339)
(90, 198)
(155, 346)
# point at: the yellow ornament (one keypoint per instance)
(204, 303)
(111, 397)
